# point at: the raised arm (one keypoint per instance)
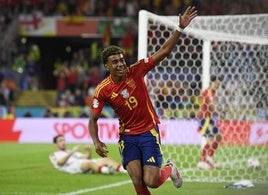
(184, 20)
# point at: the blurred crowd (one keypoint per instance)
(9, 8)
(76, 78)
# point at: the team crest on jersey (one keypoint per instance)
(95, 103)
(125, 93)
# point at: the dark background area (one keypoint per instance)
(53, 49)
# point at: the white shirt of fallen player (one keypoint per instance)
(73, 164)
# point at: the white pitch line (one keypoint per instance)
(98, 188)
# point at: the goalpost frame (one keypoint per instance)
(207, 35)
(143, 43)
(142, 32)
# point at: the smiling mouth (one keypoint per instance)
(120, 70)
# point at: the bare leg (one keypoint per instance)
(87, 165)
(151, 176)
(90, 165)
(135, 172)
(107, 161)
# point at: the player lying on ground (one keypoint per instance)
(126, 92)
(73, 161)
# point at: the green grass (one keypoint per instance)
(25, 170)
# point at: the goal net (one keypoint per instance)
(234, 47)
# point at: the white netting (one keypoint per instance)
(235, 47)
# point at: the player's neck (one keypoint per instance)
(116, 79)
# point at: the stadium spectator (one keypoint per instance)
(27, 114)
(128, 40)
(95, 76)
(67, 99)
(83, 114)
(11, 46)
(61, 72)
(3, 97)
(47, 113)
(10, 88)
(208, 129)
(10, 114)
(67, 114)
(32, 71)
(125, 91)
(20, 71)
(79, 98)
(73, 161)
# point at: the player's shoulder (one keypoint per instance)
(104, 83)
(143, 61)
(52, 156)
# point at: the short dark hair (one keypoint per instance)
(111, 50)
(55, 139)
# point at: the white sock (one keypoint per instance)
(104, 170)
(122, 170)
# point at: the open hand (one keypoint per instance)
(189, 14)
(101, 149)
(76, 148)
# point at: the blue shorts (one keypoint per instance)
(208, 127)
(146, 147)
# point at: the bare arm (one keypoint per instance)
(87, 155)
(185, 19)
(63, 160)
(100, 147)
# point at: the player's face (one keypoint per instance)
(61, 143)
(116, 65)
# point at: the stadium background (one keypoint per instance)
(29, 57)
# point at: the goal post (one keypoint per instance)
(233, 46)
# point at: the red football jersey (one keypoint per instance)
(129, 99)
(207, 99)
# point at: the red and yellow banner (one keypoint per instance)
(37, 25)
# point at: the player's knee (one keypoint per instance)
(151, 182)
(137, 181)
(136, 178)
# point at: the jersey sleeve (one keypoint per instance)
(53, 159)
(78, 155)
(143, 66)
(97, 105)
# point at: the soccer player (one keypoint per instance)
(126, 92)
(208, 129)
(73, 161)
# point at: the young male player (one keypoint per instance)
(126, 92)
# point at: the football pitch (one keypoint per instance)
(26, 170)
